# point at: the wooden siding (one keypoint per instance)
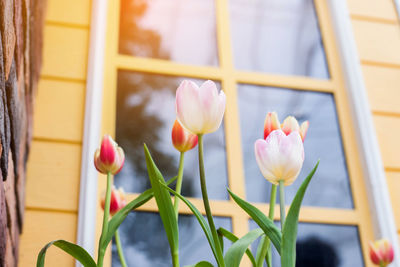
(377, 32)
(52, 190)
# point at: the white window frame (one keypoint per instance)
(374, 174)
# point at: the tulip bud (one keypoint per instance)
(200, 110)
(110, 157)
(289, 125)
(303, 129)
(117, 201)
(182, 139)
(381, 252)
(280, 157)
(271, 123)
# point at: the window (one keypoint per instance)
(266, 55)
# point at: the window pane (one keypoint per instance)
(277, 36)
(330, 185)
(323, 245)
(182, 31)
(145, 114)
(146, 245)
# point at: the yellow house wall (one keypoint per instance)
(52, 186)
(377, 33)
(52, 189)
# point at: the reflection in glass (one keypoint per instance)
(323, 245)
(182, 31)
(330, 185)
(145, 242)
(145, 114)
(277, 36)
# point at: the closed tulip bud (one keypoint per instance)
(289, 125)
(280, 156)
(271, 123)
(200, 110)
(381, 252)
(182, 139)
(117, 200)
(109, 158)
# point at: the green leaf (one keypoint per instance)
(199, 217)
(201, 264)
(231, 237)
(74, 250)
(289, 232)
(164, 203)
(120, 216)
(265, 223)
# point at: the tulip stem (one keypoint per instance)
(220, 258)
(119, 249)
(104, 229)
(179, 184)
(282, 202)
(266, 244)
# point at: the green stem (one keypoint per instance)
(282, 201)
(219, 253)
(266, 245)
(179, 184)
(175, 259)
(104, 229)
(119, 249)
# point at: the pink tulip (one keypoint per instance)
(110, 157)
(117, 201)
(182, 139)
(290, 124)
(280, 157)
(200, 110)
(381, 252)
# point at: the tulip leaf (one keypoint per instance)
(289, 232)
(164, 203)
(265, 223)
(201, 264)
(75, 251)
(235, 253)
(200, 218)
(120, 216)
(231, 237)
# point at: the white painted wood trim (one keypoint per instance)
(397, 4)
(374, 173)
(93, 110)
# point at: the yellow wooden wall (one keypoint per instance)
(52, 187)
(377, 32)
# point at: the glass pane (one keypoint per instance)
(277, 36)
(145, 114)
(148, 250)
(330, 186)
(323, 245)
(182, 31)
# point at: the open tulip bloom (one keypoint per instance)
(200, 110)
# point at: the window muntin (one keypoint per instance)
(331, 187)
(277, 36)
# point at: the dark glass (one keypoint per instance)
(145, 114)
(182, 31)
(277, 36)
(330, 186)
(322, 245)
(145, 243)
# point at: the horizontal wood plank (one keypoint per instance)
(53, 176)
(388, 129)
(59, 110)
(69, 11)
(65, 52)
(383, 88)
(383, 9)
(377, 42)
(42, 227)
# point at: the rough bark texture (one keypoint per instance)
(21, 37)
